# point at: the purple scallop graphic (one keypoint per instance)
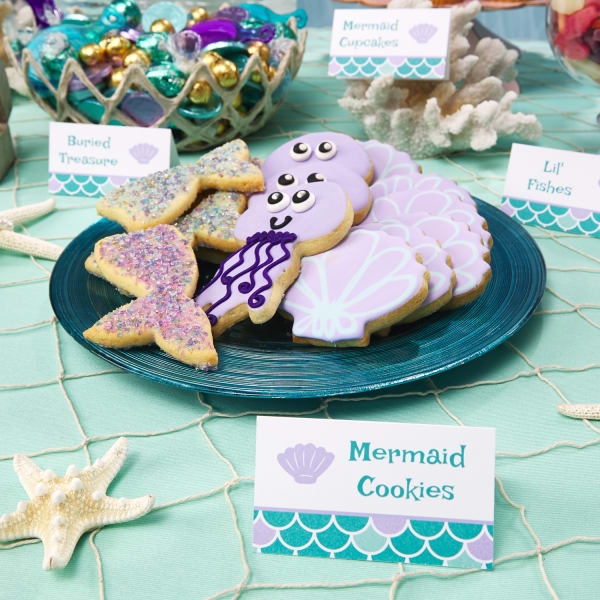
(389, 524)
(482, 548)
(263, 535)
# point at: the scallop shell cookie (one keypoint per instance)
(163, 196)
(470, 258)
(442, 278)
(426, 193)
(370, 281)
(212, 222)
(387, 161)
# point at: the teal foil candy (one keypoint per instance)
(153, 44)
(282, 30)
(202, 111)
(263, 13)
(166, 78)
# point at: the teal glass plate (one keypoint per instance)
(261, 361)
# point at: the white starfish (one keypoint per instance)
(9, 240)
(580, 411)
(61, 509)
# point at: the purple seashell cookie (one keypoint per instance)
(387, 161)
(370, 281)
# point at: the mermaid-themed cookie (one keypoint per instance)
(470, 258)
(322, 150)
(426, 193)
(353, 184)
(212, 222)
(387, 161)
(438, 262)
(163, 196)
(279, 227)
(370, 281)
(157, 265)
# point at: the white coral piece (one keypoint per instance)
(470, 110)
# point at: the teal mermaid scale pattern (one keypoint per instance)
(400, 67)
(389, 538)
(93, 186)
(560, 218)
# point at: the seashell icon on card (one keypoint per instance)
(305, 462)
(422, 32)
(143, 152)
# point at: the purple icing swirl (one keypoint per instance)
(262, 239)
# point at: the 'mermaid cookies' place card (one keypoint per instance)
(557, 189)
(91, 160)
(366, 490)
(408, 43)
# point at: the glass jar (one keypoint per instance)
(573, 28)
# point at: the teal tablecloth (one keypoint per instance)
(195, 454)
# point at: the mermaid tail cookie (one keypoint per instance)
(172, 321)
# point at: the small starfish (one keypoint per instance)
(580, 411)
(61, 509)
(9, 240)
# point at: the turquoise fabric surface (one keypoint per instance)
(195, 454)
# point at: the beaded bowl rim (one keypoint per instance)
(196, 136)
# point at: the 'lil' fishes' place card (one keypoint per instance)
(397, 492)
(407, 43)
(91, 160)
(557, 189)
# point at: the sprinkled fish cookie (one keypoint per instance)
(438, 262)
(324, 150)
(426, 193)
(157, 265)
(353, 184)
(174, 323)
(333, 305)
(154, 259)
(280, 228)
(163, 196)
(387, 161)
(212, 222)
(470, 258)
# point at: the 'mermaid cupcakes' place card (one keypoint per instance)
(365, 490)
(408, 43)
(557, 189)
(91, 160)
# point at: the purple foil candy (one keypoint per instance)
(95, 74)
(214, 30)
(142, 108)
(265, 33)
(186, 43)
(233, 13)
(45, 12)
(130, 34)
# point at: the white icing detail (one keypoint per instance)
(21, 506)
(41, 489)
(72, 470)
(58, 521)
(280, 205)
(49, 475)
(326, 153)
(76, 484)
(97, 495)
(301, 157)
(57, 497)
(304, 205)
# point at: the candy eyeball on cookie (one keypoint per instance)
(309, 210)
(323, 152)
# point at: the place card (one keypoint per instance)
(366, 490)
(408, 43)
(91, 160)
(556, 189)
